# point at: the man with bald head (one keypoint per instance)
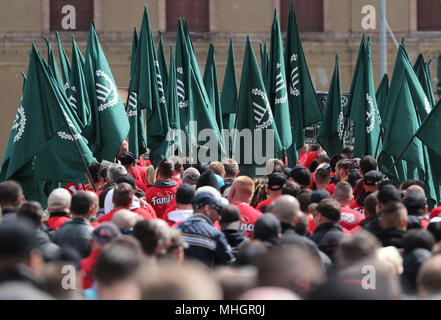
(77, 232)
(240, 195)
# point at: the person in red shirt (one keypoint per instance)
(342, 168)
(322, 181)
(349, 218)
(367, 163)
(315, 150)
(122, 199)
(100, 236)
(240, 195)
(274, 190)
(128, 160)
(371, 181)
(178, 169)
(58, 206)
(184, 207)
(160, 194)
(303, 154)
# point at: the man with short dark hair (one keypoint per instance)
(274, 190)
(393, 220)
(301, 175)
(367, 163)
(429, 279)
(416, 206)
(11, 197)
(206, 243)
(129, 161)
(78, 231)
(230, 226)
(322, 180)
(328, 232)
(350, 218)
(291, 188)
(178, 169)
(342, 168)
(164, 190)
(371, 183)
(149, 236)
(184, 207)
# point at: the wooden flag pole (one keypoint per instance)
(401, 153)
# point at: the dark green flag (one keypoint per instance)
(265, 65)
(362, 106)
(211, 85)
(422, 71)
(146, 82)
(304, 105)
(162, 63)
(277, 88)
(331, 131)
(53, 64)
(109, 126)
(64, 61)
(381, 95)
(255, 121)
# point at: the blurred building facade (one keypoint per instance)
(327, 27)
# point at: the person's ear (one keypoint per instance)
(426, 209)
(380, 222)
(404, 223)
(21, 200)
(36, 261)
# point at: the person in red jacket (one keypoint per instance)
(322, 177)
(128, 160)
(240, 195)
(349, 218)
(102, 235)
(275, 183)
(160, 194)
(58, 206)
(178, 169)
(122, 199)
(367, 163)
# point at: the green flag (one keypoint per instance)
(211, 85)
(422, 71)
(429, 129)
(38, 118)
(277, 89)
(64, 61)
(363, 108)
(254, 116)
(162, 63)
(146, 81)
(304, 105)
(265, 65)
(53, 64)
(381, 95)
(172, 103)
(229, 96)
(110, 125)
(408, 104)
(330, 134)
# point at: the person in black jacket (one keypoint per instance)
(393, 220)
(230, 226)
(328, 232)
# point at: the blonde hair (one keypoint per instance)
(391, 258)
(151, 175)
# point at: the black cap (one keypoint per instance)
(373, 178)
(388, 193)
(230, 218)
(318, 195)
(185, 194)
(267, 228)
(127, 178)
(204, 198)
(301, 175)
(414, 202)
(17, 239)
(276, 181)
(127, 158)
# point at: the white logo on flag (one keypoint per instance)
(107, 95)
(182, 103)
(133, 105)
(370, 115)
(341, 125)
(19, 123)
(293, 90)
(427, 105)
(260, 112)
(280, 85)
(160, 85)
(65, 136)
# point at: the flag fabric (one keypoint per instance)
(408, 104)
(229, 97)
(38, 118)
(381, 95)
(254, 113)
(146, 82)
(277, 88)
(264, 64)
(53, 64)
(64, 61)
(162, 63)
(422, 71)
(109, 126)
(331, 131)
(304, 105)
(362, 106)
(137, 138)
(211, 85)
(428, 132)
(172, 103)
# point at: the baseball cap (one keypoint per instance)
(388, 193)
(17, 239)
(59, 199)
(301, 175)
(191, 176)
(372, 178)
(276, 181)
(127, 178)
(106, 232)
(185, 194)
(230, 218)
(318, 195)
(205, 198)
(127, 158)
(330, 209)
(414, 201)
(267, 228)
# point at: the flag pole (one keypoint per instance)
(81, 155)
(401, 153)
(378, 141)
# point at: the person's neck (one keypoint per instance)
(345, 204)
(274, 194)
(232, 177)
(240, 200)
(322, 186)
(181, 206)
(78, 216)
(8, 206)
(177, 175)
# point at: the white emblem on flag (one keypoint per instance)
(260, 112)
(294, 82)
(133, 105)
(107, 95)
(280, 85)
(370, 115)
(341, 125)
(19, 123)
(65, 136)
(427, 105)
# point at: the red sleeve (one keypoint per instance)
(311, 157)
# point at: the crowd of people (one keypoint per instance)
(328, 228)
